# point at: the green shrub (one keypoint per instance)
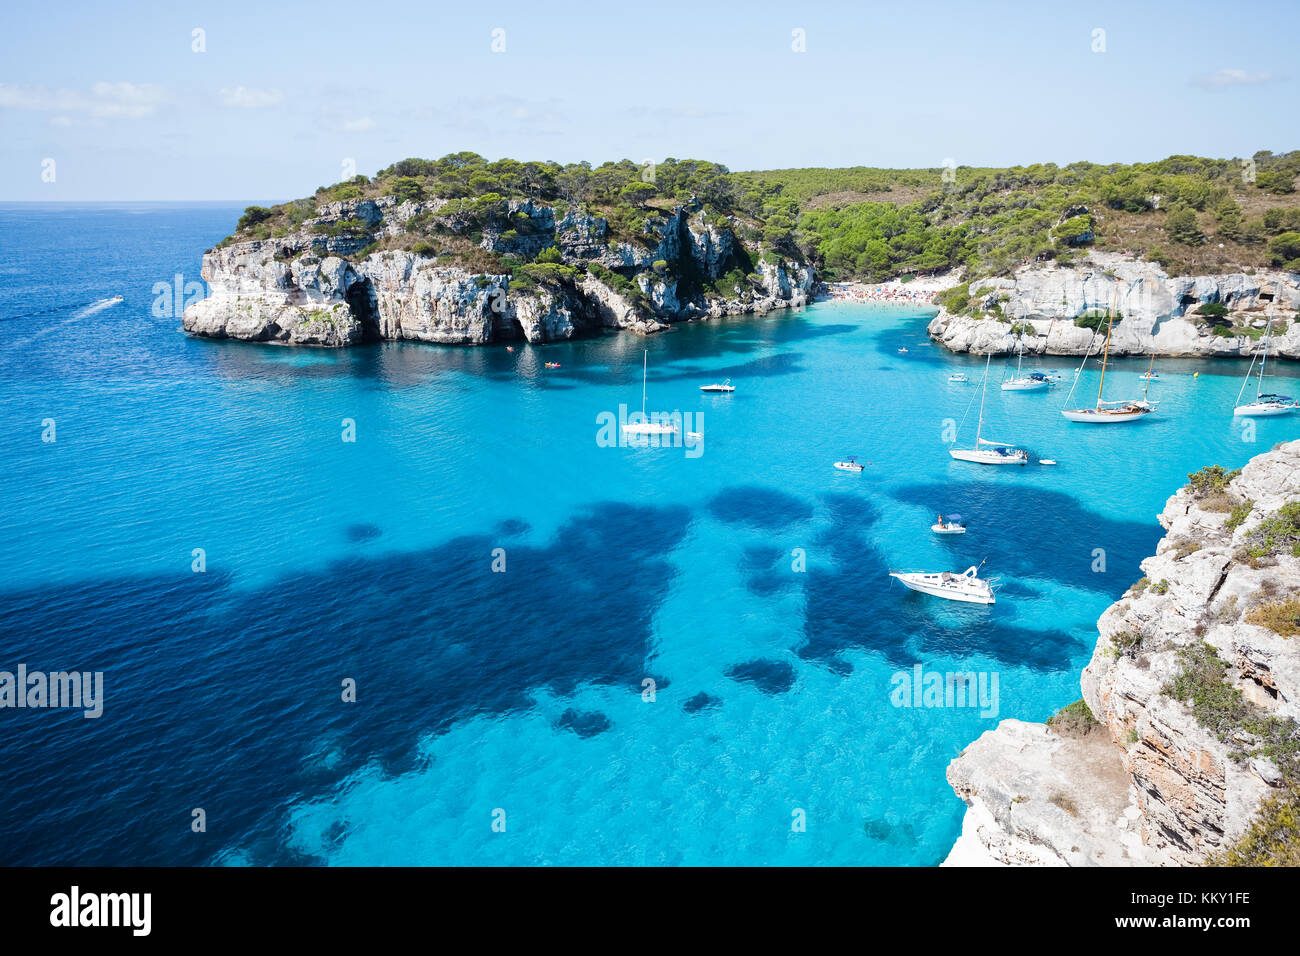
(1073, 720)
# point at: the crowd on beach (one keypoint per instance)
(887, 292)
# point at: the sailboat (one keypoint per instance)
(645, 426)
(987, 452)
(1033, 382)
(1264, 404)
(1105, 412)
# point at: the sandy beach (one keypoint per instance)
(919, 291)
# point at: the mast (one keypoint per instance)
(1268, 332)
(645, 365)
(979, 428)
(1105, 355)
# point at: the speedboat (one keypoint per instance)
(958, 378)
(850, 465)
(951, 524)
(903, 350)
(949, 585)
(724, 387)
(1150, 376)
(552, 364)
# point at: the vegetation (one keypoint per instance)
(1189, 213)
(1277, 533)
(1280, 617)
(1274, 837)
(1211, 480)
(1073, 720)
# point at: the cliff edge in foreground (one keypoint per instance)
(1194, 751)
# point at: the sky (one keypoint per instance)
(267, 101)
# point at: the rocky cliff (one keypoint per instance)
(1036, 308)
(342, 277)
(1195, 688)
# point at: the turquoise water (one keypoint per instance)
(521, 691)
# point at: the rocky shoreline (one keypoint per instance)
(1150, 783)
(1035, 310)
(319, 286)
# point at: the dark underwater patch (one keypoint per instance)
(217, 690)
(769, 676)
(758, 507)
(363, 532)
(701, 701)
(584, 723)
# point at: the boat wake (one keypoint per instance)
(99, 305)
(87, 308)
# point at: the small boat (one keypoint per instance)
(952, 524)
(695, 436)
(1150, 375)
(510, 348)
(903, 350)
(715, 387)
(851, 464)
(1265, 405)
(949, 585)
(1107, 413)
(646, 426)
(552, 364)
(986, 451)
(1047, 461)
(958, 378)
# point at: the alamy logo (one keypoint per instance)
(102, 909)
(651, 430)
(25, 688)
(921, 688)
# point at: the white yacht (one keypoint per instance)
(1033, 382)
(1107, 413)
(949, 585)
(986, 451)
(1265, 404)
(646, 426)
(850, 464)
(716, 387)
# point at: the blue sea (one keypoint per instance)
(503, 716)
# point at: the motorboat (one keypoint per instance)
(958, 378)
(723, 387)
(949, 524)
(850, 464)
(949, 585)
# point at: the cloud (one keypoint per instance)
(357, 124)
(250, 98)
(1233, 77)
(103, 101)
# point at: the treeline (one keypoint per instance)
(987, 220)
